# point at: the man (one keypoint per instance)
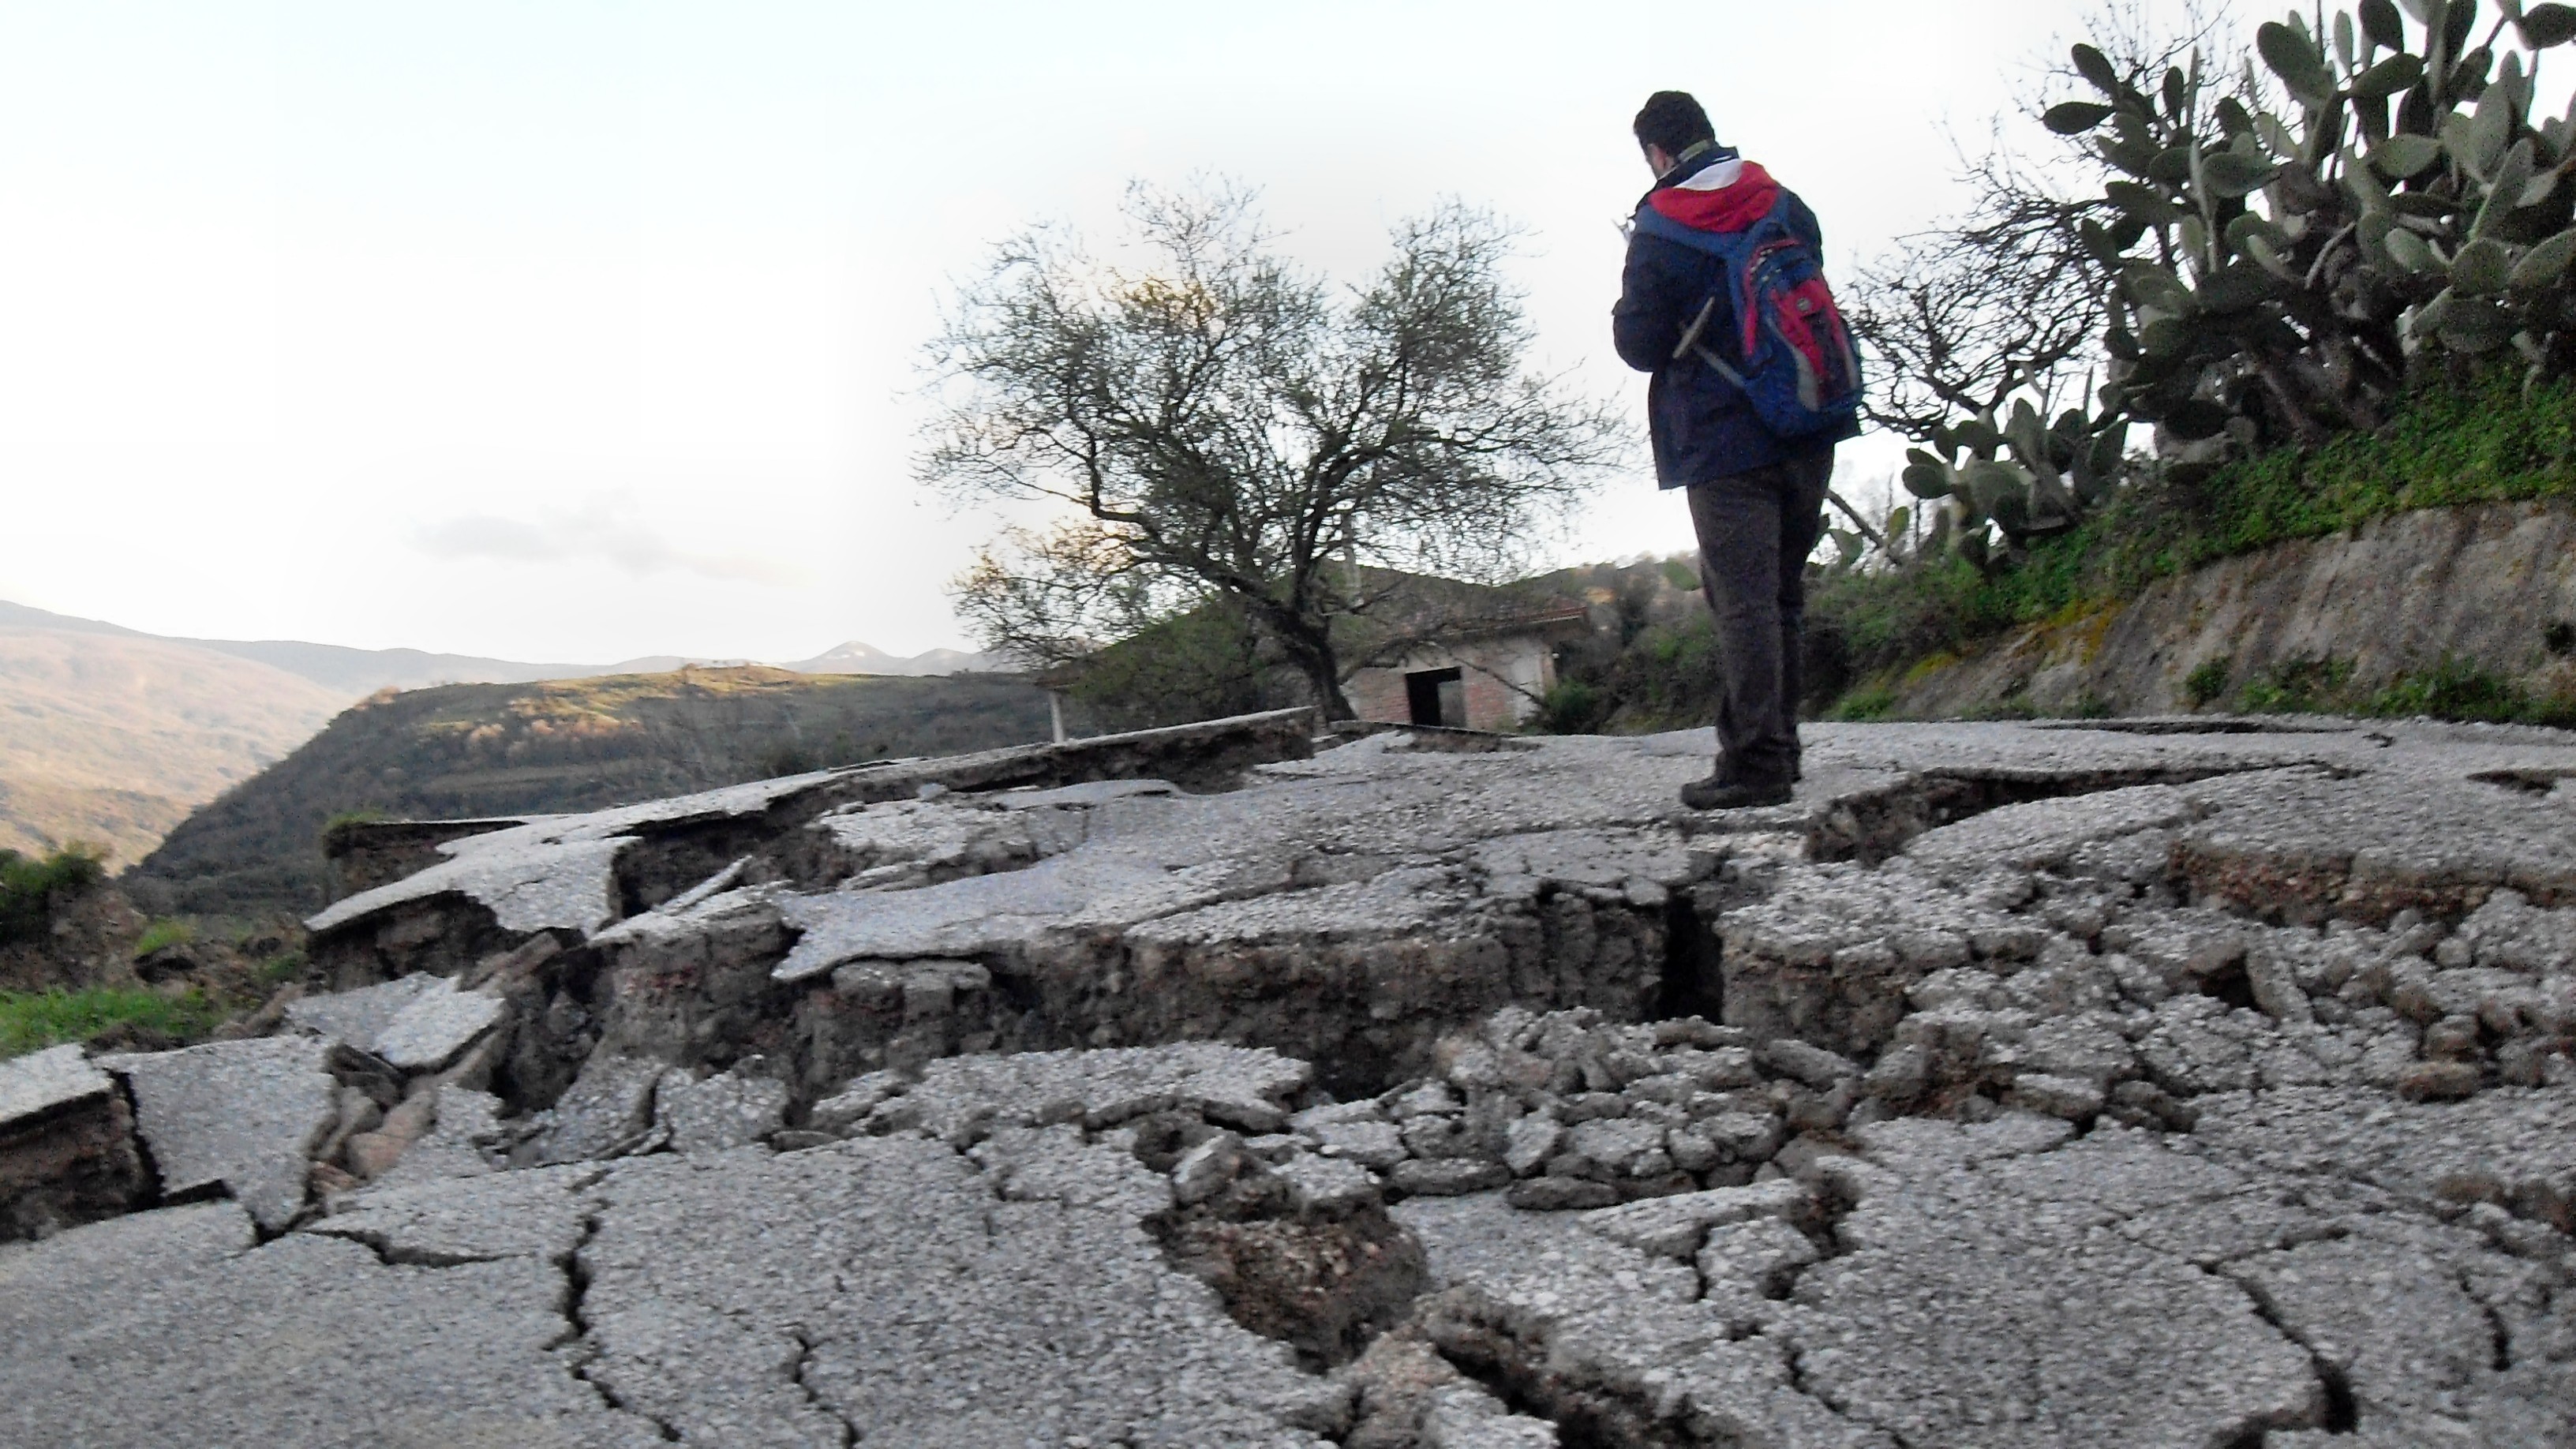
(1756, 495)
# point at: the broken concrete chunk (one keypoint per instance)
(1470, 1418)
(245, 1115)
(1087, 794)
(1560, 1194)
(417, 1023)
(358, 1017)
(358, 1113)
(42, 1081)
(850, 1106)
(730, 1109)
(1313, 1118)
(1326, 1186)
(536, 1214)
(1761, 1254)
(66, 1144)
(1370, 1144)
(1448, 1176)
(2275, 987)
(1982, 1258)
(1530, 1142)
(958, 1098)
(1204, 1170)
(2047, 833)
(1422, 1099)
(463, 1125)
(1621, 1145)
(1812, 1065)
(436, 1026)
(2439, 1081)
(1673, 1227)
(607, 1111)
(2063, 1097)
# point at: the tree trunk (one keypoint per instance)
(1315, 658)
(1326, 679)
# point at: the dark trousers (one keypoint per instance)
(1755, 532)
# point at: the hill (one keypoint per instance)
(112, 737)
(564, 745)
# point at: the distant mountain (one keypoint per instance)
(857, 658)
(111, 735)
(19, 616)
(561, 745)
(359, 672)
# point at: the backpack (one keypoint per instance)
(1799, 369)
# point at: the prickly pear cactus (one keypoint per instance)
(2285, 246)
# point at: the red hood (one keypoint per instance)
(1728, 196)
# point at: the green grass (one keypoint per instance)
(161, 935)
(29, 886)
(1866, 703)
(33, 1020)
(2487, 442)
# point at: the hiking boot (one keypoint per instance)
(1719, 793)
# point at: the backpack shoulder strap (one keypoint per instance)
(1717, 244)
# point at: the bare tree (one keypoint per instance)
(1991, 304)
(1222, 424)
(2004, 300)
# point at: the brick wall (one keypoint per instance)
(1488, 668)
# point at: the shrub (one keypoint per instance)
(2208, 680)
(1573, 707)
(2458, 689)
(31, 887)
(2299, 686)
(163, 934)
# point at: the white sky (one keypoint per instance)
(578, 331)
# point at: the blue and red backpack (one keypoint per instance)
(1795, 363)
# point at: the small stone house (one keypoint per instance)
(1488, 675)
(1422, 650)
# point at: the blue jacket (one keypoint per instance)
(1702, 428)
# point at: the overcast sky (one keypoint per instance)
(571, 331)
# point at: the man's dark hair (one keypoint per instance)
(1673, 121)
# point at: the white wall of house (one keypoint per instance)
(1500, 680)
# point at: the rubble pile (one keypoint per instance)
(2017, 1085)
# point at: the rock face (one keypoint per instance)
(2486, 584)
(2017, 1085)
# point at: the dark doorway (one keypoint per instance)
(1436, 697)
